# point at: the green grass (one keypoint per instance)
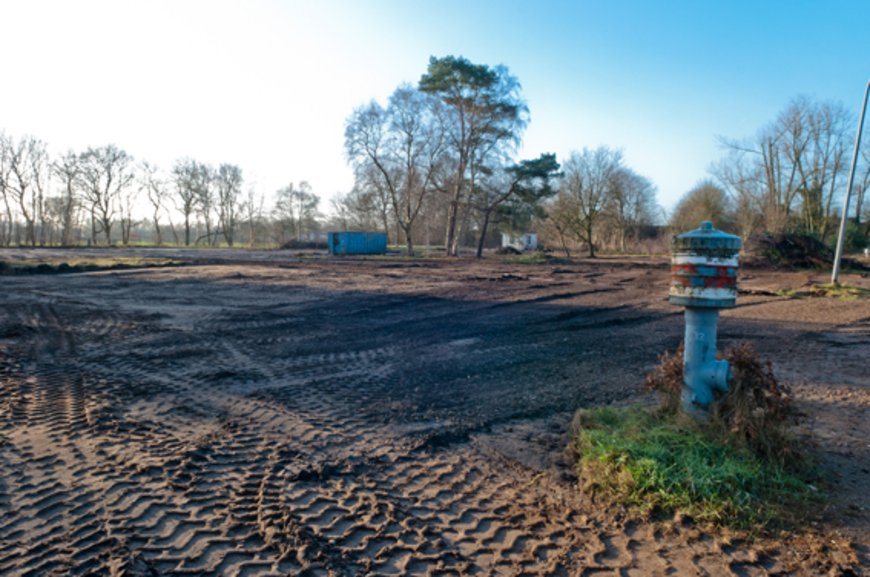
(658, 464)
(536, 257)
(829, 290)
(843, 292)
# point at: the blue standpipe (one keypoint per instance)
(704, 264)
(702, 372)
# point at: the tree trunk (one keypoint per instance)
(461, 224)
(385, 219)
(107, 229)
(157, 230)
(66, 231)
(451, 227)
(409, 239)
(7, 226)
(589, 240)
(564, 246)
(483, 228)
(30, 232)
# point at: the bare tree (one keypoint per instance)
(190, 177)
(400, 148)
(369, 194)
(341, 208)
(67, 169)
(8, 221)
(204, 178)
(793, 171)
(562, 220)
(586, 189)
(823, 166)
(295, 209)
(366, 207)
(753, 207)
(127, 203)
(252, 208)
(105, 174)
(228, 180)
(24, 174)
(631, 204)
(155, 190)
(53, 219)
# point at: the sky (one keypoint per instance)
(268, 85)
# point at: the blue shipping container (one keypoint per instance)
(357, 243)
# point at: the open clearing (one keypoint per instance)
(259, 413)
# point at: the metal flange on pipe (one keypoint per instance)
(704, 280)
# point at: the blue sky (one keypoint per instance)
(268, 85)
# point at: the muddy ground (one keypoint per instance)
(261, 413)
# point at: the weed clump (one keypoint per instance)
(757, 409)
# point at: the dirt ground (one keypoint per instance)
(263, 413)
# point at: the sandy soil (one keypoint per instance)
(263, 414)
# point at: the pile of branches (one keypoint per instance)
(788, 251)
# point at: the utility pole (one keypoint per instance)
(835, 274)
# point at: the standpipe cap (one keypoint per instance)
(704, 268)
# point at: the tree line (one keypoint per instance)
(96, 196)
(437, 164)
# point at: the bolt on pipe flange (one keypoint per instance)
(704, 280)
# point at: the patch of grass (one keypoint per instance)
(664, 463)
(535, 257)
(842, 291)
(829, 290)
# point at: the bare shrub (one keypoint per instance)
(667, 380)
(757, 409)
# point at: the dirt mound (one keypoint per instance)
(294, 244)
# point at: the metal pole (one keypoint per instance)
(835, 274)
